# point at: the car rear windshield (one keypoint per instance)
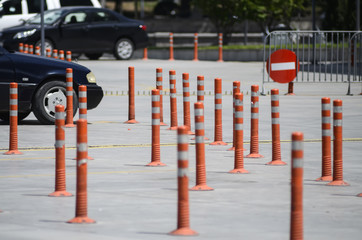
(50, 17)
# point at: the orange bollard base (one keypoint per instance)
(172, 128)
(190, 133)
(195, 60)
(81, 220)
(239, 170)
(70, 125)
(60, 194)
(290, 94)
(338, 183)
(184, 232)
(171, 59)
(220, 61)
(231, 149)
(13, 152)
(132, 121)
(218, 143)
(254, 155)
(201, 187)
(156, 164)
(359, 195)
(276, 163)
(163, 124)
(325, 179)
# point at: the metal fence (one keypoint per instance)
(324, 56)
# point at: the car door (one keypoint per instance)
(73, 32)
(103, 29)
(7, 75)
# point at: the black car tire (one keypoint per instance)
(48, 44)
(47, 97)
(93, 56)
(123, 49)
(21, 115)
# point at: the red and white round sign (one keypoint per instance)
(283, 66)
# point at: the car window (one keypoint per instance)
(75, 17)
(50, 17)
(65, 3)
(102, 16)
(34, 6)
(12, 7)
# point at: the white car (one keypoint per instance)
(14, 12)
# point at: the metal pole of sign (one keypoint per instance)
(42, 38)
(142, 9)
(358, 15)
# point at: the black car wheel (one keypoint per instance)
(47, 97)
(47, 43)
(21, 115)
(93, 56)
(124, 49)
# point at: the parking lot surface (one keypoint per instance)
(130, 201)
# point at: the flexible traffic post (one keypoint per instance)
(171, 47)
(290, 89)
(156, 151)
(218, 113)
(159, 86)
(236, 89)
(37, 51)
(239, 135)
(55, 53)
(200, 149)
(81, 208)
(254, 126)
(186, 101)
(131, 97)
(48, 52)
(183, 214)
(326, 141)
(145, 54)
(173, 100)
(220, 48)
(337, 145)
(69, 92)
(82, 93)
(296, 215)
(13, 120)
(31, 49)
(69, 56)
(26, 48)
(61, 54)
(196, 40)
(21, 47)
(276, 152)
(200, 89)
(60, 186)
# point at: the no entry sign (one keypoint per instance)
(282, 66)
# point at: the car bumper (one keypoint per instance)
(94, 96)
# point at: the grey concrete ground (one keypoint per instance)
(131, 201)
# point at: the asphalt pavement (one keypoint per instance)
(130, 201)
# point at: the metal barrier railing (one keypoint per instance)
(324, 56)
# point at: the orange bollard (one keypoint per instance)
(183, 215)
(81, 212)
(173, 100)
(159, 86)
(254, 126)
(186, 101)
(48, 52)
(218, 113)
(200, 149)
(26, 48)
(131, 97)
(359, 195)
(21, 47)
(55, 53)
(276, 152)
(69, 56)
(290, 89)
(326, 141)
(337, 145)
(82, 93)
(296, 215)
(13, 120)
(236, 89)
(195, 47)
(239, 135)
(61, 54)
(69, 91)
(37, 51)
(200, 89)
(31, 49)
(171, 47)
(156, 151)
(220, 48)
(145, 54)
(60, 187)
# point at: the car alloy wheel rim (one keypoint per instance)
(53, 97)
(124, 49)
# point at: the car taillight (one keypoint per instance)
(143, 27)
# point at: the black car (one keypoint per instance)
(41, 85)
(88, 30)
